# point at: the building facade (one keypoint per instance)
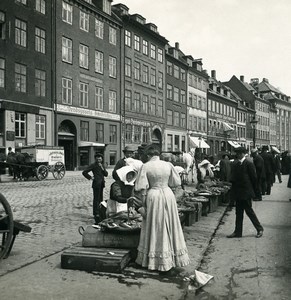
(26, 102)
(87, 87)
(143, 101)
(176, 102)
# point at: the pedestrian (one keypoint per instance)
(225, 168)
(269, 164)
(289, 180)
(128, 153)
(243, 181)
(162, 246)
(10, 168)
(277, 161)
(98, 171)
(260, 170)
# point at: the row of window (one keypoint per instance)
(241, 117)
(20, 35)
(83, 89)
(142, 103)
(197, 82)
(221, 108)
(21, 126)
(197, 101)
(144, 46)
(40, 5)
(99, 132)
(84, 23)
(67, 56)
(176, 142)
(136, 134)
(175, 118)
(176, 94)
(143, 73)
(197, 123)
(262, 107)
(176, 71)
(20, 79)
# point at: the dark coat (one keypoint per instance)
(225, 169)
(244, 180)
(260, 167)
(120, 192)
(289, 180)
(98, 175)
(270, 167)
(121, 163)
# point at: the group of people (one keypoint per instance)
(149, 184)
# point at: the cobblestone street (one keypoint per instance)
(54, 209)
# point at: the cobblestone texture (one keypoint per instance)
(54, 209)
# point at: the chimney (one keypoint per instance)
(213, 74)
(177, 45)
(242, 78)
(266, 80)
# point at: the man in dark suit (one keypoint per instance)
(243, 179)
(269, 169)
(128, 152)
(99, 172)
(260, 170)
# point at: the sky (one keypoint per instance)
(234, 37)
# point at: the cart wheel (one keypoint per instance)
(6, 227)
(59, 170)
(42, 172)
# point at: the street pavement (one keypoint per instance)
(55, 210)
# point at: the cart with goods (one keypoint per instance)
(9, 228)
(47, 159)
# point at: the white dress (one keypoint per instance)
(162, 245)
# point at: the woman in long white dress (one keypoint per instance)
(162, 245)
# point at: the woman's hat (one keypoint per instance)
(122, 172)
(129, 149)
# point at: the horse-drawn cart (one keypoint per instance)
(36, 161)
(47, 159)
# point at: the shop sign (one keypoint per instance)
(87, 112)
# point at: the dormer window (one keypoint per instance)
(107, 6)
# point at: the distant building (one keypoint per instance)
(222, 117)
(258, 104)
(280, 113)
(143, 99)
(176, 99)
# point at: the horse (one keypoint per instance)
(17, 162)
(184, 159)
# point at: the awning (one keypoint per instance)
(198, 143)
(274, 148)
(234, 144)
(227, 127)
(90, 144)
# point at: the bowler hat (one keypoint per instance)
(240, 150)
(129, 149)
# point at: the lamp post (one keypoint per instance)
(254, 123)
(200, 151)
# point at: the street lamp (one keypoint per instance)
(254, 123)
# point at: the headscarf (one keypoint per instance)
(122, 172)
(134, 163)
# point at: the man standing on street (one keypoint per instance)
(260, 170)
(98, 184)
(244, 181)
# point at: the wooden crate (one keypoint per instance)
(93, 237)
(96, 259)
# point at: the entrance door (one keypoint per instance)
(69, 153)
